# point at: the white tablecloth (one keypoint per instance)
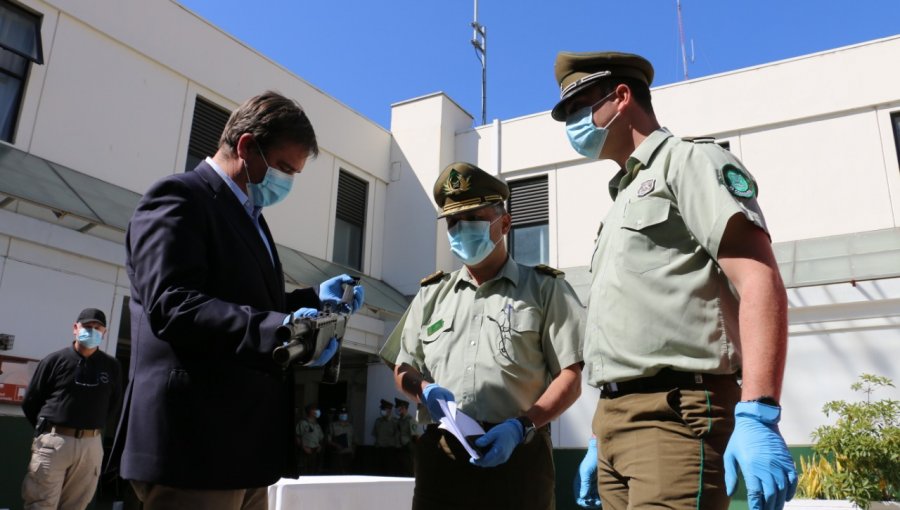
(350, 492)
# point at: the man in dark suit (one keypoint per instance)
(207, 421)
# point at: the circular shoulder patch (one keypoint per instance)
(737, 182)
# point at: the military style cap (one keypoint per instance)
(91, 315)
(577, 71)
(401, 403)
(463, 186)
(386, 404)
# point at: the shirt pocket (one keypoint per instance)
(435, 339)
(644, 232)
(437, 329)
(519, 339)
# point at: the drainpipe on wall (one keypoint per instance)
(496, 147)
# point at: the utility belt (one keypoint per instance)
(72, 432)
(666, 379)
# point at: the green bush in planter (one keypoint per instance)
(857, 458)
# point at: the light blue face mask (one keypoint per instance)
(586, 138)
(471, 240)
(274, 187)
(317, 413)
(342, 417)
(89, 337)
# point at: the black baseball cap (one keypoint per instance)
(92, 315)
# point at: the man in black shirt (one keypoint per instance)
(72, 393)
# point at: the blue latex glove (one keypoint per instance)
(431, 394)
(326, 355)
(332, 291)
(586, 495)
(757, 447)
(502, 439)
(300, 314)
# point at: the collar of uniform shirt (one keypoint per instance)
(510, 271)
(238, 192)
(646, 150)
(642, 156)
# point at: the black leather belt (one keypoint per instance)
(73, 432)
(664, 380)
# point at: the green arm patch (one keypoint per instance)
(738, 182)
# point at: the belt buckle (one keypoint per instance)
(79, 433)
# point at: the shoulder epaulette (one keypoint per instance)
(699, 139)
(432, 278)
(552, 271)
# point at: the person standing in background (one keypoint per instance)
(340, 441)
(387, 437)
(71, 396)
(408, 433)
(309, 439)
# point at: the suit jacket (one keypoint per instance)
(206, 406)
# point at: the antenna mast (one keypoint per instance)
(479, 41)
(681, 38)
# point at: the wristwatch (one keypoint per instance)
(528, 428)
(767, 400)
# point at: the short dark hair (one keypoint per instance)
(639, 90)
(272, 119)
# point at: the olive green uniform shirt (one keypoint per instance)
(341, 432)
(659, 298)
(386, 432)
(310, 433)
(496, 346)
(408, 429)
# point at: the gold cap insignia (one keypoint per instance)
(456, 183)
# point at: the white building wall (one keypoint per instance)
(115, 100)
(816, 133)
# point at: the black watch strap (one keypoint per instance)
(766, 399)
(528, 428)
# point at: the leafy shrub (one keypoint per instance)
(857, 458)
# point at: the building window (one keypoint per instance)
(350, 220)
(895, 121)
(529, 206)
(206, 129)
(20, 45)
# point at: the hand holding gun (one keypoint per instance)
(314, 340)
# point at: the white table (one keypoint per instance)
(349, 492)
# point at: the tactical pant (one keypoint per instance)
(665, 448)
(446, 480)
(162, 497)
(63, 472)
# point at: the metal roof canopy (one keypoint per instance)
(66, 191)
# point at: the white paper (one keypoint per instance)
(460, 425)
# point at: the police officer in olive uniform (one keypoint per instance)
(407, 434)
(387, 436)
(500, 339)
(686, 299)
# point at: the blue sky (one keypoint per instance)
(369, 54)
